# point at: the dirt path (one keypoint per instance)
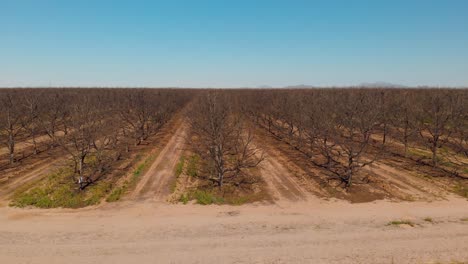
(280, 181)
(155, 182)
(413, 187)
(282, 184)
(303, 232)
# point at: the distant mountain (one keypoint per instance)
(381, 85)
(366, 85)
(300, 86)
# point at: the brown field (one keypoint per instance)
(234, 176)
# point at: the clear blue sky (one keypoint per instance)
(197, 43)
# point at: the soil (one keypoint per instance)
(296, 232)
(155, 181)
(392, 178)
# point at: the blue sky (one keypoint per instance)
(232, 43)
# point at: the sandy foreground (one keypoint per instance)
(301, 232)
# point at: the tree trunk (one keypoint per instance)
(220, 179)
(81, 165)
(349, 172)
(434, 154)
(34, 143)
(405, 140)
(11, 148)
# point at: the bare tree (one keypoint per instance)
(435, 118)
(222, 139)
(351, 142)
(11, 117)
(87, 125)
(31, 120)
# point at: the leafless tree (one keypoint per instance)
(435, 120)
(31, 120)
(222, 138)
(11, 117)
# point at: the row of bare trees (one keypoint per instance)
(341, 130)
(344, 130)
(94, 126)
(222, 138)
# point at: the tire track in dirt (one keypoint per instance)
(411, 185)
(155, 182)
(279, 181)
(282, 184)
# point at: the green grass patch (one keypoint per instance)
(58, 190)
(217, 196)
(203, 197)
(180, 166)
(192, 166)
(206, 197)
(116, 194)
(178, 171)
(184, 198)
(400, 222)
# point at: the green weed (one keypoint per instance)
(184, 198)
(401, 222)
(116, 194)
(428, 219)
(58, 190)
(192, 166)
(461, 190)
(180, 166)
(206, 198)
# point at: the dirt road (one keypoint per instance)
(304, 232)
(156, 181)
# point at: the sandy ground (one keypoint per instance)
(299, 232)
(155, 182)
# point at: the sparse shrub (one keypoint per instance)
(184, 198)
(115, 195)
(205, 198)
(428, 219)
(192, 166)
(180, 166)
(401, 222)
(461, 190)
(239, 200)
